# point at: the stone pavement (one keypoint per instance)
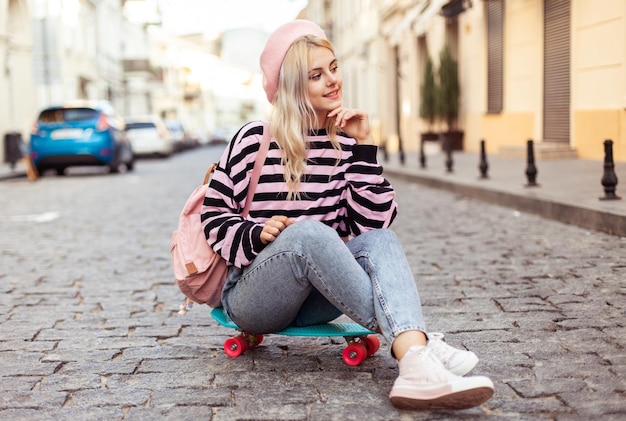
(89, 326)
(567, 190)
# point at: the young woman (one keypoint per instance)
(316, 243)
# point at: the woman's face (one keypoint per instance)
(324, 82)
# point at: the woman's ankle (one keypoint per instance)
(405, 341)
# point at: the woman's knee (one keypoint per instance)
(310, 230)
(382, 236)
(385, 234)
(379, 242)
(308, 235)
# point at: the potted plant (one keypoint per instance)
(448, 94)
(428, 105)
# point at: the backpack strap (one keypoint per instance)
(209, 171)
(264, 146)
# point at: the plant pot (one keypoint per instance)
(429, 137)
(455, 137)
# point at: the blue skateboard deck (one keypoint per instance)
(325, 330)
(361, 342)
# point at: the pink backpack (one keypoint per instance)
(200, 272)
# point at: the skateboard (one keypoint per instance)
(362, 342)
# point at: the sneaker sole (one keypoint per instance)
(459, 400)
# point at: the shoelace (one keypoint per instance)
(430, 364)
(442, 350)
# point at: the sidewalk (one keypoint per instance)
(7, 173)
(568, 190)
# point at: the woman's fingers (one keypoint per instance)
(342, 115)
(273, 227)
(353, 122)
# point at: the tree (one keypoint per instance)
(449, 90)
(428, 106)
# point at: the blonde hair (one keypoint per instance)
(293, 115)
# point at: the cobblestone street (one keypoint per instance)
(89, 326)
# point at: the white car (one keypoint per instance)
(149, 135)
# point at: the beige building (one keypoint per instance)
(17, 91)
(553, 71)
(50, 52)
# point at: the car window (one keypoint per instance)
(67, 114)
(140, 125)
(174, 126)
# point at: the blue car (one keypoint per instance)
(80, 134)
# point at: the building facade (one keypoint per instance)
(54, 51)
(17, 90)
(553, 71)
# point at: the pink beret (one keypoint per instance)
(276, 47)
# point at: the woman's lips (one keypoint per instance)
(332, 94)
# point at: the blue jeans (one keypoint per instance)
(308, 275)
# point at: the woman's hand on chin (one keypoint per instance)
(355, 123)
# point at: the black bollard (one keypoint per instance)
(422, 154)
(609, 178)
(531, 169)
(13, 148)
(385, 152)
(448, 147)
(483, 166)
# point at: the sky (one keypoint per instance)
(212, 17)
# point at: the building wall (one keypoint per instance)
(599, 77)
(64, 51)
(4, 80)
(106, 42)
(361, 53)
(473, 79)
(16, 70)
(521, 118)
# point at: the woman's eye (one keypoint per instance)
(315, 76)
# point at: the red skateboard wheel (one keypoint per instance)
(372, 343)
(354, 354)
(234, 347)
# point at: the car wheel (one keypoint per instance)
(114, 166)
(60, 170)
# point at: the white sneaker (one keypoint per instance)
(456, 361)
(424, 383)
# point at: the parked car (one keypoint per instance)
(200, 137)
(222, 135)
(80, 134)
(182, 140)
(148, 135)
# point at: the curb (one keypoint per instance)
(12, 175)
(592, 219)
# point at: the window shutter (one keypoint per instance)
(495, 55)
(556, 82)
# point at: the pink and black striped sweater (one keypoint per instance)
(350, 196)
